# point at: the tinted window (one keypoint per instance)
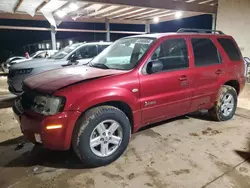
(88, 51)
(173, 54)
(102, 47)
(230, 48)
(205, 52)
(65, 51)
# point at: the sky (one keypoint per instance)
(13, 40)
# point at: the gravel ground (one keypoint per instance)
(186, 152)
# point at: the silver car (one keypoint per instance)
(18, 59)
(75, 54)
(6, 64)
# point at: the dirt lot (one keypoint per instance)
(186, 152)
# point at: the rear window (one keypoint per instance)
(205, 52)
(230, 48)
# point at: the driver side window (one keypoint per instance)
(85, 52)
(173, 53)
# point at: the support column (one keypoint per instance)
(53, 37)
(214, 22)
(147, 28)
(107, 29)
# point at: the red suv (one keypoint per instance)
(138, 80)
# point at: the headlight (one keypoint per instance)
(47, 105)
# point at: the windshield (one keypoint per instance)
(65, 51)
(123, 54)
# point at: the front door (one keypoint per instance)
(167, 93)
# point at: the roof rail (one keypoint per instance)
(190, 30)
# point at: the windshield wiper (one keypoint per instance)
(99, 65)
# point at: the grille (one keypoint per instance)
(27, 99)
(17, 72)
(11, 74)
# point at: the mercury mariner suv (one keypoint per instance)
(137, 81)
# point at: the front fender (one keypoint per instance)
(106, 95)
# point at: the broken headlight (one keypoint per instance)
(47, 105)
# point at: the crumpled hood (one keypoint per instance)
(50, 81)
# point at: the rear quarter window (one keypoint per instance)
(230, 48)
(205, 52)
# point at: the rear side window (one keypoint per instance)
(205, 52)
(88, 51)
(230, 48)
(173, 54)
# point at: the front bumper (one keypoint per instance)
(15, 84)
(35, 124)
(13, 88)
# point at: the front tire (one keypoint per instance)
(225, 105)
(101, 135)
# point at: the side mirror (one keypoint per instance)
(154, 66)
(73, 59)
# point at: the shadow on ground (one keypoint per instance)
(68, 160)
(245, 154)
(47, 158)
(37, 155)
(12, 141)
(7, 101)
(202, 115)
(3, 74)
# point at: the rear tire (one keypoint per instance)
(101, 136)
(225, 104)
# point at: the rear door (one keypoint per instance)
(167, 93)
(207, 71)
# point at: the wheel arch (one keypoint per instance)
(235, 84)
(121, 105)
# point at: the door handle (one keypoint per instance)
(218, 72)
(183, 78)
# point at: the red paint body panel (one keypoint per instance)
(50, 81)
(58, 139)
(171, 96)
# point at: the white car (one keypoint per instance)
(5, 65)
(74, 54)
(37, 55)
(19, 59)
